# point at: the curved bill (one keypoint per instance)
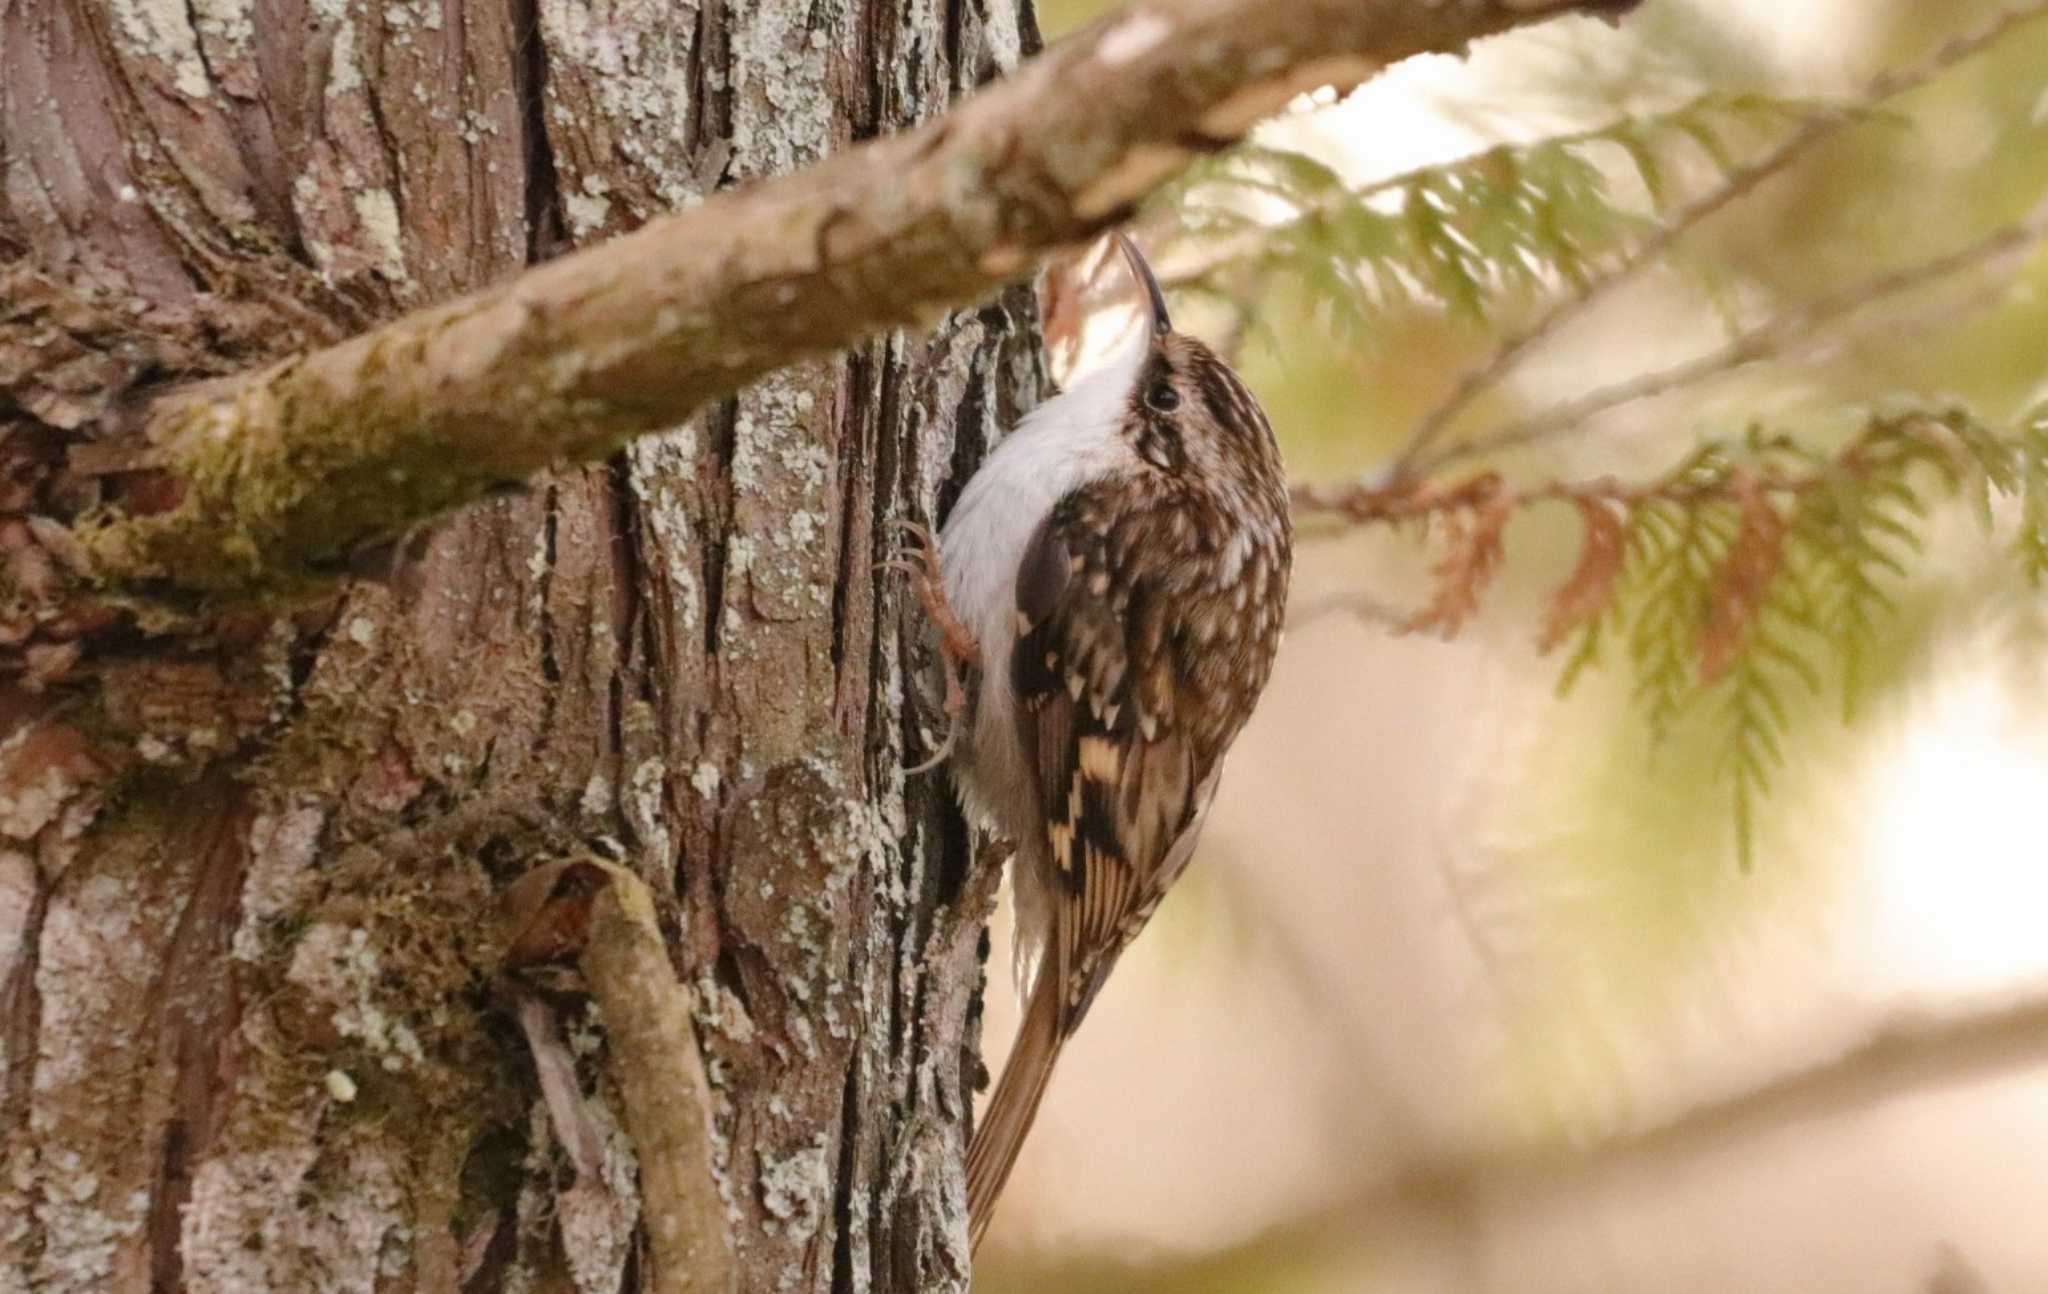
(1156, 298)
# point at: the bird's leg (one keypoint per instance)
(919, 559)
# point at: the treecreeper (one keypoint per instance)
(1112, 582)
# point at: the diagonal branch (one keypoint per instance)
(285, 471)
(1768, 340)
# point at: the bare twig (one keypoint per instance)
(1410, 461)
(293, 467)
(1356, 603)
(1768, 340)
(1487, 491)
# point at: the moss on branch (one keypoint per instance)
(290, 469)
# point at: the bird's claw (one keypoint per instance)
(938, 756)
(919, 559)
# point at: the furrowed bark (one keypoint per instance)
(253, 1028)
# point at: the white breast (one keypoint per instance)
(1066, 442)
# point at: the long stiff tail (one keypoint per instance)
(1000, 1135)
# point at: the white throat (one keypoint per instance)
(1067, 442)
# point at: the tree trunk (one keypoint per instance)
(264, 1028)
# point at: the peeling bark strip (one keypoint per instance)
(289, 469)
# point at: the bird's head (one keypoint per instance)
(1184, 409)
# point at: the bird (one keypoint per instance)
(1113, 580)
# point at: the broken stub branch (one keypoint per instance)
(603, 916)
(286, 471)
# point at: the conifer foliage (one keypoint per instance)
(1761, 567)
(1510, 222)
(1758, 571)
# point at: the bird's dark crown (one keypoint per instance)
(1188, 413)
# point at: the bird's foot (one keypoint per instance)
(919, 559)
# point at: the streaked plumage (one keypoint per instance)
(1122, 561)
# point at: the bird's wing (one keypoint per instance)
(1122, 782)
(1121, 778)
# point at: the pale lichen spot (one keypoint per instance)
(344, 70)
(776, 61)
(704, 779)
(597, 794)
(377, 213)
(228, 21)
(1132, 38)
(795, 1186)
(162, 30)
(588, 206)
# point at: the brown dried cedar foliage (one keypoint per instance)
(1743, 582)
(1753, 570)
(1588, 591)
(1470, 561)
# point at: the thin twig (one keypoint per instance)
(1488, 491)
(1408, 462)
(1765, 341)
(1356, 603)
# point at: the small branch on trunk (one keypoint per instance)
(648, 1022)
(287, 471)
(650, 1031)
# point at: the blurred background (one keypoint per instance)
(1469, 988)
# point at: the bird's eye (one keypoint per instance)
(1162, 398)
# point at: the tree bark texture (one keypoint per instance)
(262, 1023)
